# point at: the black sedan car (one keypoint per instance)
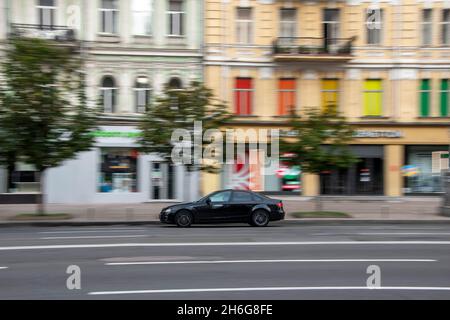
(223, 207)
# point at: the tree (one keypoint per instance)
(45, 118)
(319, 142)
(179, 109)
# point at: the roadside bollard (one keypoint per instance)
(90, 213)
(129, 213)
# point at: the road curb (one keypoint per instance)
(311, 221)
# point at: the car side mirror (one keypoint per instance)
(208, 201)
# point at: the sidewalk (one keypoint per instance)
(360, 208)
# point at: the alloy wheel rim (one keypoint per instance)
(260, 218)
(184, 220)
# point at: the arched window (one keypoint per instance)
(141, 94)
(108, 93)
(175, 83)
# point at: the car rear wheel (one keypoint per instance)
(183, 219)
(260, 218)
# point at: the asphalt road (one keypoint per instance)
(282, 261)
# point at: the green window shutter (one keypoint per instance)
(444, 97)
(425, 98)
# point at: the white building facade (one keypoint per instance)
(132, 49)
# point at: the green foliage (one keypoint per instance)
(320, 141)
(44, 114)
(179, 109)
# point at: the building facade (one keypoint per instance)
(384, 64)
(132, 49)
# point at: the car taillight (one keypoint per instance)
(280, 205)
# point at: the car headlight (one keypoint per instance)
(167, 210)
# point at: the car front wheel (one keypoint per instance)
(260, 218)
(183, 219)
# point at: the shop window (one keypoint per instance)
(330, 94)
(243, 94)
(373, 98)
(444, 101)
(286, 96)
(118, 170)
(425, 97)
(241, 175)
(24, 179)
(423, 168)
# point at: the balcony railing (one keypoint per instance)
(56, 33)
(308, 48)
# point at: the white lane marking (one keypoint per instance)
(229, 244)
(404, 233)
(92, 231)
(263, 261)
(2, 268)
(94, 237)
(266, 289)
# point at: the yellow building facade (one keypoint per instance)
(384, 64)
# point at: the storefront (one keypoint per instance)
(395, 160)
(114, 171)
(365, 177)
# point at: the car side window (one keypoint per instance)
(257, 197)
(241, 196)
(221, 196)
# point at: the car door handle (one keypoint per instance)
(215, 206)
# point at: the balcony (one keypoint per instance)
(312, 49)
(56, 33)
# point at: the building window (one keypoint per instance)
(374, 26)
(46, 13)
(108, 16)
(331, 26)
(244, 26)
(141, 94)
(175, 16)
(373, 98)
(286, 96)
(446, 27)
(444, 95)
(118, 170)
(108, 94)
(175, 83)
(243, 93)
(330, 94)
(142, 17)
(288, 23)
(425, 97)
(427, 27)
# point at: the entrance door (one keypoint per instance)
(162, 184)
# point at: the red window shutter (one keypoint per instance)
(243, 97)
(286, 96)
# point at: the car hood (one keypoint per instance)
(183, 204)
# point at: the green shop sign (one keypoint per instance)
(116, 134)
